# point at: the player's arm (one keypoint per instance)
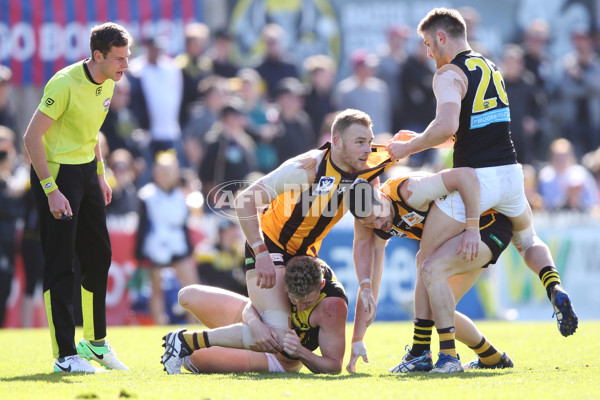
(38, 126)
(449, 87)
(104, 186)
(259, 195)
(369, 253)
(331, 319)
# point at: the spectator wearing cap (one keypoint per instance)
(565, 184)
(8, 113)
(230, 151)
(392, 57)
(194, 65)
(318, 101)
(221, 55)
(363, 91)
(291, 130)
(156, 94)
(276, 64)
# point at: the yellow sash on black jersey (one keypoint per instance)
(297, 221)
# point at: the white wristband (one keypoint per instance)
(366, 280)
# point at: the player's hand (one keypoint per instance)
(404, 136)
(106, 190)
(358, 350)
(469, 244)
(59, 205)
(368, 304)
(398, 150)
(265, 271)
(265, 337)
(291, 344)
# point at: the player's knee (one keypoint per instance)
(525, 239)
(185, 295)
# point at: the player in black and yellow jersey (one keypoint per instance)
(299, 202)
(473, 109)
(319, 310)
(401, 209)
(68, 184)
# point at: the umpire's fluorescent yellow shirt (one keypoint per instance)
(78, 106)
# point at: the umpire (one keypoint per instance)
(67, 180)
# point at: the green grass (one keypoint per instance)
(547, 365)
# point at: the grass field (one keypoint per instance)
(547, 365)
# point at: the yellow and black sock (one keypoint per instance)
(196, 339)
(487, 352)
(447, 345)
(423, 329)
(550, 278)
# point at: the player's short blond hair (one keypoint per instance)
(347, 118)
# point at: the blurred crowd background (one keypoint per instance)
(229, 90)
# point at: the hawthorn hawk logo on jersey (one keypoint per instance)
(106, 104)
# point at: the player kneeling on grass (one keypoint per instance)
(238, 341)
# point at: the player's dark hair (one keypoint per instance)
(444, 19)
(303, 274)
(104, 37)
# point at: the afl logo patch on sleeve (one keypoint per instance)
(106, 104)
(49, 101)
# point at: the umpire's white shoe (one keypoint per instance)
(75, 364)
(104, 355)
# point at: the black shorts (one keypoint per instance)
(278, 255)
(496, 233)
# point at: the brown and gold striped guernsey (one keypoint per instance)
(297, 221)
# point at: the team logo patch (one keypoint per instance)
(49, 101)
(412, 218)
(325, 185)
(106, 103)
(98, 90)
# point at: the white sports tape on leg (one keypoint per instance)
(524, 239)
(247, 339)
(425, 189)
(276, 319)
